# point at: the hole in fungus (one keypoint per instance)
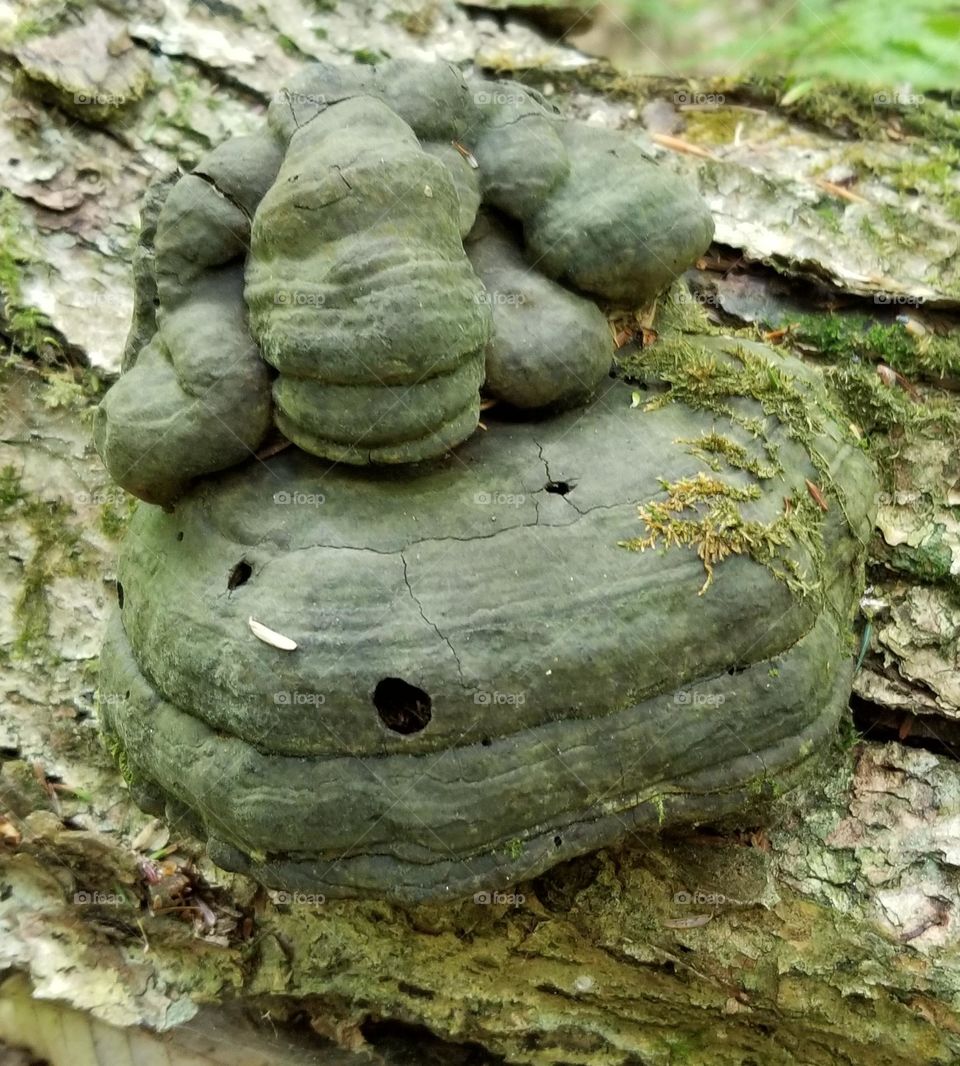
(486, 742)
(180, 535)
(402, 708)
(239, 575)
(557, 840)
(559, 488)
(126, 694)
(120, 595)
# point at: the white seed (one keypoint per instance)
(271, 636)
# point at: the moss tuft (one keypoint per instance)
(11, 488)
(116, 510)
(852, 339)
(118, 754)
(57, 551)
(27, 329)
(701, 512)
(715, 449)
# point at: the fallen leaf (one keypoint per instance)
(817, 496)
(467, 154)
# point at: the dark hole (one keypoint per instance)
(557, 841)
(486, 742)
(669, 966)
(561, 488)
(120, 595)
(735, 669)
(415, 991)
(402, 708)
(126, 694)
(404, 1043)
(180, 535)
(239, 575)
(156, 301)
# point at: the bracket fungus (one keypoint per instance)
(403, 658)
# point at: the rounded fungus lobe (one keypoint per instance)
(550, 347)
(312, 277)
(360, 294)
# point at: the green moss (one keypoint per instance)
(680, 311)
(46, 17)
(704, 380)
(872, 405)
(851, 338)
(932, 175)
(115, 513)
(849, 109)
(702, 512)
(27, 329)
(57, 551)
(716, 449)
(290, 46)
(885, 415)
(514, 848)
(118, 754)
(848, 736)
(831, 212)
(712, 125)
(73, 389)
(846, 109)
(369, 56)
(11, 488)
(928, 172)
